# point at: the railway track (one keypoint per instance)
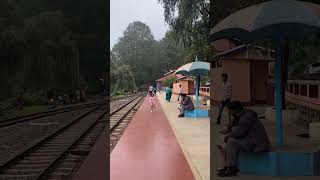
(13, 121)
(58, 155)
(120, 119)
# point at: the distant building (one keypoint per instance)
(167, 75)
(249, 69)
(187, 83)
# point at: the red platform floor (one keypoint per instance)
(149, 150)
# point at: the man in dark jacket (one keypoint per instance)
(186, 104)
(248, 134)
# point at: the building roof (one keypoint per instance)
(230, 51)
(186, 78)
(170, 72)
(161, 79)
(178, 76)
(240, 48)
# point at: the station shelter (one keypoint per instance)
(187, 84)
(249, 69)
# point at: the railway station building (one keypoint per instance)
(249, 70)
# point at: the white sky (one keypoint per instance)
(123, 12)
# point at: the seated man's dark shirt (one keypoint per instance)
(187, 103)
(249, 129)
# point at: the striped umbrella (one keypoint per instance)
(196, 68)
(286, 18)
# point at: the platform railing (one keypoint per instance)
(304, 92)
(204, 91)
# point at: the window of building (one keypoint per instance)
(303, 90)
(219, 63)
(313, 91)
(296, 89)
(214, 64)
(291, 88)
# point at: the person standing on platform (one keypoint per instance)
(155, 90)
(226, 99)
(152, 101)
(168, 94)
(150, 88)
(180, 92)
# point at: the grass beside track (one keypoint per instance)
(25, 111)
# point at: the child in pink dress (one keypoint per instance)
(152, 99)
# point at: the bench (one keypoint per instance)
(197, 113)
(277, 163)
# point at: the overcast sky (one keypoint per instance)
(123, 12)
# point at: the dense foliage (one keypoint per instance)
(138, 59)
(51, 44)
(169, 81)
(189, 21)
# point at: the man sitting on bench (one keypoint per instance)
(248, 134)
(186, 104)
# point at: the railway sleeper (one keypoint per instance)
(21, 171)
(17, 177)
(41, 154)
(59, 176)
(32, 162)
(49, 151)
(79, 152)
(50, 148)
(65, 170)
(29, 166)
(37, 158)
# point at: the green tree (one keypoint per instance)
(170, 54)
(189, 20)
(121, 76)
(168, 82)
(137, 48)
(147, 58)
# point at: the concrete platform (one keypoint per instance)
(193, 136)
(149, 150)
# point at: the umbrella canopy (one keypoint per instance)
(287, 18)
(197, 69)
(194, 68)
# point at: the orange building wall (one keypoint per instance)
(239, 74)
(187, 86)
(215, 84)
(222, 45)
(259, 78)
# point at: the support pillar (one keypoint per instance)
(279, 93)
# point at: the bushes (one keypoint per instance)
(169, 81)
(33, 99)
